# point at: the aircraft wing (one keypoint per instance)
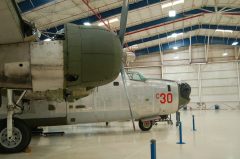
(12, 29)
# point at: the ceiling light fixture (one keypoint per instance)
(175, 47)
(174, 35)
(87, 24)
(221, 30)
(48, 39)
(172, 3)
(225, 54)
(108, 21)
(235, 43)
(172, 13)
(176, 57)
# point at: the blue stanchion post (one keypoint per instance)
(180, 134)
(153, 149)
(193, 122)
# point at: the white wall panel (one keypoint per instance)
(184, 68)
(219, 82)
(217, 75)
(219, 98)
(181, 76)
(198, 53)
(220, 90)
(219, 66)
(182, 57)
(194, 91)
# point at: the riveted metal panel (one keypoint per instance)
(15, 66)
(47, 65)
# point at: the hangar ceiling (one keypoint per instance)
(149, 27)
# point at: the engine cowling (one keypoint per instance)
(89, 56)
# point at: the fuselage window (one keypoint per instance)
(135, 76)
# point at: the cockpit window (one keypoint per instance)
(136, 76)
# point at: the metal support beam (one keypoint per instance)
(238, 77)
(161, 59)
(190, 49)
(199, 84)
(207, 49)
(205, 52)
(236, 53)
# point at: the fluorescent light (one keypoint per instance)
(174, 35)
(48, 39)
(225, 54)
(176, 57)
(221, 30)
(108, 21)
(87, 24)
(172, 3)
(172, 13)
(235, 43)
(175, 47)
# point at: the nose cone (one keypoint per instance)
(184, 94)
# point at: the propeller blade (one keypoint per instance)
(123, 21)
(127, 95)
(123, 25)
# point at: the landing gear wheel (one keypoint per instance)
(20, 139)
(145, 125)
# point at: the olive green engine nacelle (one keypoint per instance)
(87, 57)
(92, 56)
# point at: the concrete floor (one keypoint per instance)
(217, 137)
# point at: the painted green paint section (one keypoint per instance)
(92, 56)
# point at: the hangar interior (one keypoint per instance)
(193, 41)
(199, 45)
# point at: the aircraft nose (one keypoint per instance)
(184, 94)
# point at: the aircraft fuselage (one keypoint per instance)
(106, 103)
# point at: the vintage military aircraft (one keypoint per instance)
(87, 57)
(59, 82)
(151, 100)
